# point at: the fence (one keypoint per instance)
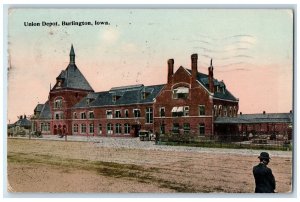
(234, 141)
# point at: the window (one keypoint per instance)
(201, 110)
(42, 126)
(162, 112)
(223, 89)
(91, 115)
(75, 128)
(201, 129)
(59, 115)
(215, 110)
(186, 128)
(220, 110)
(126, 113)
(234, 111)
(144, 95)
(58, 103)
(83, 115)
(186, 111)
(87, 101)
(218, 89)
(162, 128)
(83, 128)
(175, 128)
(74, 115)
(118, 128)
(109, 128)
(91, 128)
(149, 115)
(225, 111)
(126, 128)
(181, 92)
(45, 127)
(100, 129)
(109, 114)
(117, 114)
(114, 98)
(137, 113)
(230, 111)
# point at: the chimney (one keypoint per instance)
(21, 117)
(264, 112)
(170, 69)
(211, 77)
(194, 58)
(291, 111)
(241, 113)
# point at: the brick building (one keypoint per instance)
(190, 102)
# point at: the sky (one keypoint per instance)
(252, 51)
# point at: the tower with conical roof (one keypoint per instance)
(70, 87)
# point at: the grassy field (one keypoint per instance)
(57, 166)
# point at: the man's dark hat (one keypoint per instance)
(264, 155)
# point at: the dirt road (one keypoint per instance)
(57, 166)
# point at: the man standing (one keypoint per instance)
(264, 179)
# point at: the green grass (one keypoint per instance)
(109, 169)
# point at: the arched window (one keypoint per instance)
(75, 128)
(118, 128)
(230, 111)
(225, 111)
(181, 92)
(109, 129)
(83, 128)
(126, 128)
(58, 103)
(220, 110)
(91, 128)
(234, 111)
(215, 110)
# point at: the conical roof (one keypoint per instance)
(71, 77)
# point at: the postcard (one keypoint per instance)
(140, 100)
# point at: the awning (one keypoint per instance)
(174, 109)
(179, 109)
(182, 90)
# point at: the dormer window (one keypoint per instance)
(218, 89)
(59, 83)
(145, 95)
(115, 97)
(87, 101)
(181, 93)
(223, 89)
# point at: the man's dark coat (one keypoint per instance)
(264, 179)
